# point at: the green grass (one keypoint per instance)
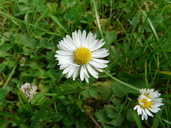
(137, 35)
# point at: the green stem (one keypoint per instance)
(97, 18)
(12, 72)
(128, 85)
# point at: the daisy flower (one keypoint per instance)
(148, 102)
(29, 90)
(81, 55)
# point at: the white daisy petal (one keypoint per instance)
(71, 71)
(63, 47)
(154, 110)
(100, 60)
(139, 110)
(92, 71)
(75, 74)
(83, 39)
(66, 70)
(91, 39)
(97, 65)
(82, 74)
(70, 43)
(86, 78)
(101, 53)
(99, 69)
(75, 37)
(63, 53)
(148, 112)
(149, 101)
(81, 55)
(142, 117)
(86, 72)
(65, 60)
(63, 66)
(97, 45)
(136, 107)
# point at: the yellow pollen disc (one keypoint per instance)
(82, 55)
(147, 104)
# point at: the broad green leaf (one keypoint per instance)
(37, 33)
(117, 121)
(121, 90)
(3, 53)
(68, 3)
(85, 93)
(50, 56)
(135, 21)
(80, 124)
(129, 115)
(110, 37)
(38, 99)
(44, 87)
(102, 116)
(73, 15)
(27, 51)
(111, 112)
(115, 100)
(58, 117)
(158, 18)
(6, 36)
(105, 89)
(6, 46)
(9, 63)
(137, 118)
(93, 91)
(17, 47)
(70, 110)
(68, 120)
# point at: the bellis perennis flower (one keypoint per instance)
(148, 102)
(81, 55)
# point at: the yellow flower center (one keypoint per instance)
(82, 55)
(146, 103)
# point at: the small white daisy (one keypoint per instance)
(29, 90)
(149, 101)
(81, 55)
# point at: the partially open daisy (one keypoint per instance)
(81, 55)
(148, 102)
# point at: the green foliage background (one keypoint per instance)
(137, 35)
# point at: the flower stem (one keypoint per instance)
(97, 18)
(128, 85)
(12, 72)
